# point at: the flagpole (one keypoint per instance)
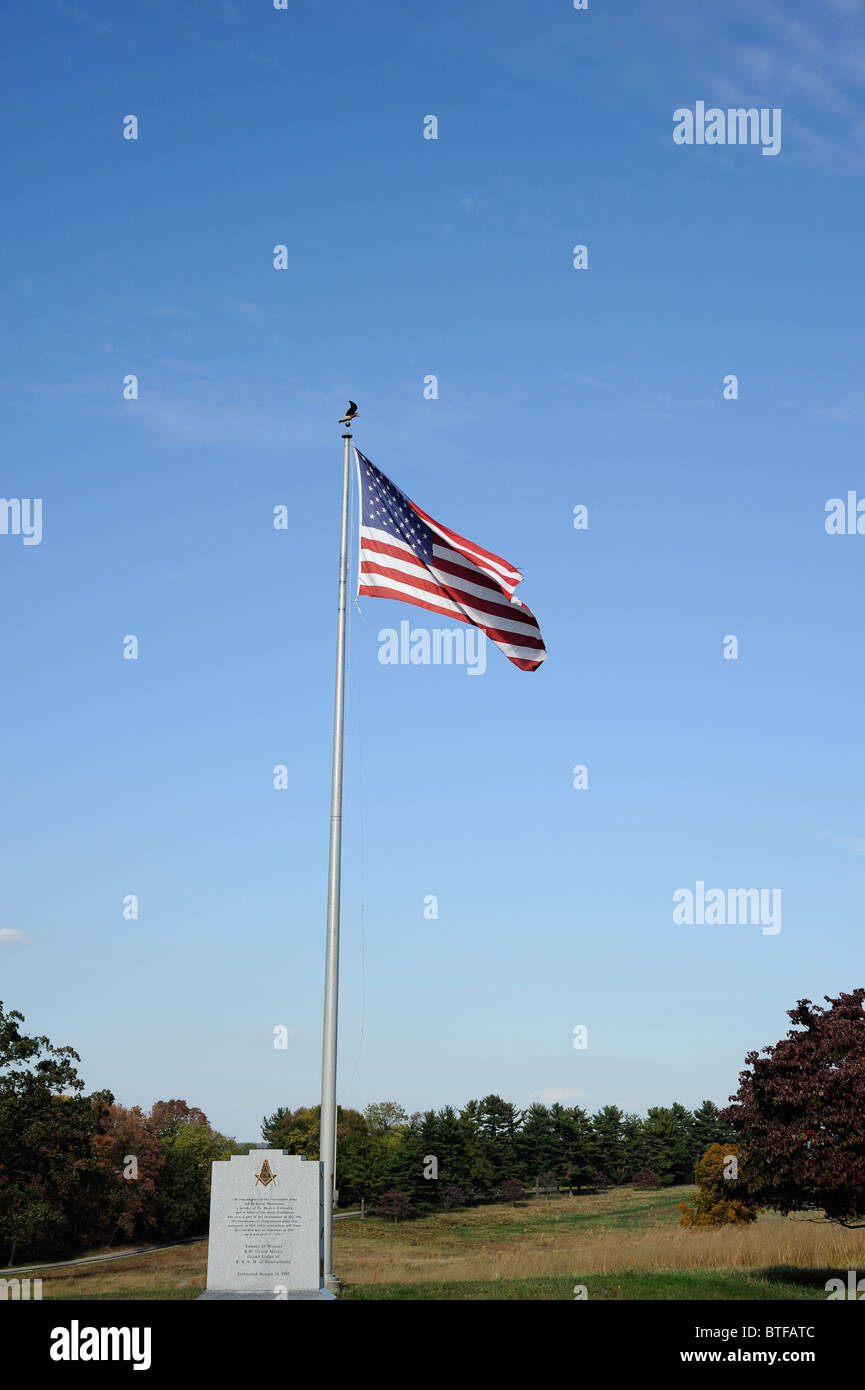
(327, 1149)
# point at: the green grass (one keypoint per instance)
(144, 1293)
(538, 1217)
(699, 1285)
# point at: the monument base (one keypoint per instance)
(266, 1295)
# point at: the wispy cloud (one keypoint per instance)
(245, 308)
(265, 61)
(82, 18)
(594, 383)
(10, 937)
(856, 842)
(850, 406)
(251, 416)
(170, 311)
(266, 416)
(809, 60)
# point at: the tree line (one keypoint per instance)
(78, 1171)
(791, 1139)
(488, 1142)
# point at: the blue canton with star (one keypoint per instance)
(385, 508)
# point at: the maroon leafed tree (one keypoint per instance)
(451, 1196)
(800, 1110)
(513, 1191)
(395, 1204)
(645, 1179)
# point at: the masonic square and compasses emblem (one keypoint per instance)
(265, 1177)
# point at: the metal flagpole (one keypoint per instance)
(327, 1149)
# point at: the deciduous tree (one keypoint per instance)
(799, 1112)
(722, 1198)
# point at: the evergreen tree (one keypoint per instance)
(361, 1169)
(608, 1149)
(537, 1145)
(445, 1138)
(575, 1128)
(668, 1133)
(494, 1155)
(709, 1128)
(633, 1131)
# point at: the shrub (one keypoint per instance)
(723, 1197)
(646, 1179)
(513, 1191)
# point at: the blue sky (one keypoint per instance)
(557, 387)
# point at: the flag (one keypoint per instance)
(406, 555)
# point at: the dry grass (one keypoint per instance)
(623, 1231)
(170, 1274)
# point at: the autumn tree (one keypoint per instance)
(131, 1157)
(167, 1116)
(451, 1196)
(513, 1191)
(183, 1198)
(645, 1180)
(49, 1179)
(395, 1204)
(723, 1197)
(384, 1115)
(298, 1130)
(799, 1113)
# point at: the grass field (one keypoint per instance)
(619, 1244)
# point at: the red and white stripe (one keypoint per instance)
(464, 582)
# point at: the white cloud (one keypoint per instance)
(9, 936)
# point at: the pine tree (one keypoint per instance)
(537, 1146)
(608, 1150)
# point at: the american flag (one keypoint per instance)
(406, 555)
